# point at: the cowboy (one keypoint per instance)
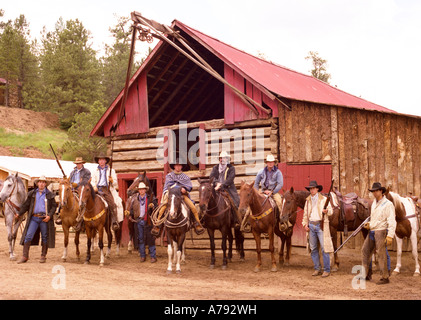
(314, 215)
(106, 185)
(382, 228)
(223, 175)
(40, 205)
(78, 175)
(177, 178)
(271, 179)
(140, 212)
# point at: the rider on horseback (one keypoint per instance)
(178, 178)
(224, 174)
(271, 180)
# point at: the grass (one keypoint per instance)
(39, 140)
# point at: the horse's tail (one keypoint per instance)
(239, 240)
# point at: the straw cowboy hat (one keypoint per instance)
(103, 157)
(79, 160)
(314, 184)
(41, 178)
(178, 160)
(270, 158)
(224, 154)
(377, 186)
(142, 186)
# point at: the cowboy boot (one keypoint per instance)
(25, 254)
(44, 249)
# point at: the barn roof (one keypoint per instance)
(32, 168)
(271, 78)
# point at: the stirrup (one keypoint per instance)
(199, 229)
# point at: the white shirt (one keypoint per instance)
(314, 215)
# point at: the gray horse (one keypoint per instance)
(12, 195)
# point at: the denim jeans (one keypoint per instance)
(316, 236)
(33, 227)
(145, 238)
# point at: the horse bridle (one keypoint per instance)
(217, 203)
(14, 207)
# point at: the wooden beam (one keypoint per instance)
(164, 70)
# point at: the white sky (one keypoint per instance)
(373, 47)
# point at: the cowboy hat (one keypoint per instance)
(180, 160)
(377, 186)
(103, 157)
(270, 158)
(142, 186)
(41, 178)
(314, 184)
(79, 160)
(224, 154)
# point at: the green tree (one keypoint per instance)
(70, 71)
(319, 70)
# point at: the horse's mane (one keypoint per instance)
(86, 183)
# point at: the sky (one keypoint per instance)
(372, 47)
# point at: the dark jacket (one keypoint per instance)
(28, 206)
(134, 209)
(85, 175)
(228, 183)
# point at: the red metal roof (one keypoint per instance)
(277, 79)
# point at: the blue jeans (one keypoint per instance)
(34, 224)
(145, 238)
(315, 237)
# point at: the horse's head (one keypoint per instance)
(289, 207)
(9, 186)
(174, 201)
(141, 177)
(65, 191)
(86, 193)
(205, 193)
(246, 194)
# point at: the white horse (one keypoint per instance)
(406, 211)
(12, 195)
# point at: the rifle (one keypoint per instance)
(326, 204)
(58, 162)
(353, 234)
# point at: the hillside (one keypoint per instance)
(22, 132)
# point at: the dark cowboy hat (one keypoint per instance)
(313, 184)
(101, 156)
(377, 186)
(180, 160)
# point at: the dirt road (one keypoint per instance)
(124, 277)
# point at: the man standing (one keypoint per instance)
(271, 180)
(140, 213)
(105, 185)
(382, 225)
(313, 217)
(40, 205)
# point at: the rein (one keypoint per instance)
(220, 212)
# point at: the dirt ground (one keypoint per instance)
(124, 277)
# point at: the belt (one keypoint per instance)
(315, 222)
(39, 215)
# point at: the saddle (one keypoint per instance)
(348, 205)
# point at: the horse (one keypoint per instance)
(177, 224)
(131, 190)
(94, 212)
(284, 228)
(218, 215)
(13, 195)
(407, 226)
(69, 204)
(261, 219)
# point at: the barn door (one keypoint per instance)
(299, 176)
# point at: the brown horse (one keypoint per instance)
(218, 215)
(96, 217)
(261, 219)
(284, 229)
(68, 213)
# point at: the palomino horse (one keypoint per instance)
(13, 195)
(218, 215)
(284, 228)
(96, 216)
(407, 226)
(176, 224)
(131, 190)
(261, 219)
(69, 205)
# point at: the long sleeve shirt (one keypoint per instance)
(383, 216)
